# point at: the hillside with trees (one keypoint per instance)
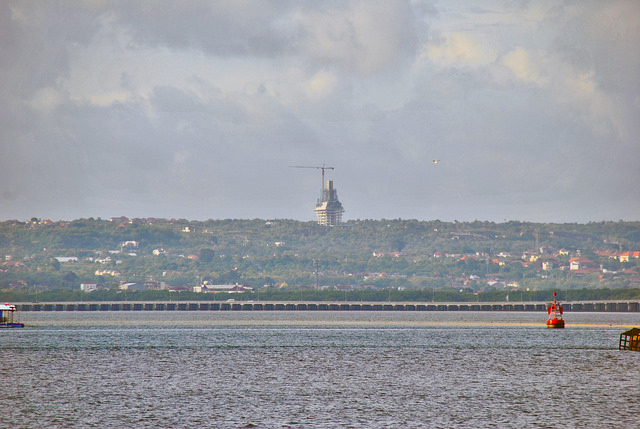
(276, 256)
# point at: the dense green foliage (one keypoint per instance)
(427, 258)
(306, 295)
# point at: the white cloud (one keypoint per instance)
(321, 84)
(456, 49)
(47, 99)
(523, 65)
(359, 36)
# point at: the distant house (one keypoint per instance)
(626, 256)
(132, 286)
(548, 262)
(530, 256)
(141, 286)
(606, 254)
(547, 265)
(207, 288)
(200, 289)
(229, 288)
(580, 264)
(63, 259)
(112, 273)
(155, 285)
(241, 289)
(88, 287)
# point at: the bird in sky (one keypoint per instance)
(435, 161)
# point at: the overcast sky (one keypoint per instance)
(197, 109)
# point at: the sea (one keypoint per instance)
(288, 369)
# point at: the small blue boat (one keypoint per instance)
(6, 317)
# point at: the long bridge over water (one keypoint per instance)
(575, 306)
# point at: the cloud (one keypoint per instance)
(456, 49)
(47, 99)
(235, 28)
(321, 84)
(196, 109)
(359, 36)
(523, 66)
(599, 49)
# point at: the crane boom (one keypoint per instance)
(317, 168)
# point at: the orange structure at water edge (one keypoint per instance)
(555, 314)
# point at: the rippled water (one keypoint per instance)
(318, 370)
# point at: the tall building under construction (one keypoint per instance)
(328, 208)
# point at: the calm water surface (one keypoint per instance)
(318, 370)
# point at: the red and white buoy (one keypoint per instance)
(555, 314)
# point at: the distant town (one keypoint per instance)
(121, 256)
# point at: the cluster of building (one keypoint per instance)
(129, 286)
(229, 288)
(550, 259)
(158, 286)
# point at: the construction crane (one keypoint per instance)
(317, 168)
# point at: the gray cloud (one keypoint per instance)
(197, 109)
(217, 28)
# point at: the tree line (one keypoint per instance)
(327, 295)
